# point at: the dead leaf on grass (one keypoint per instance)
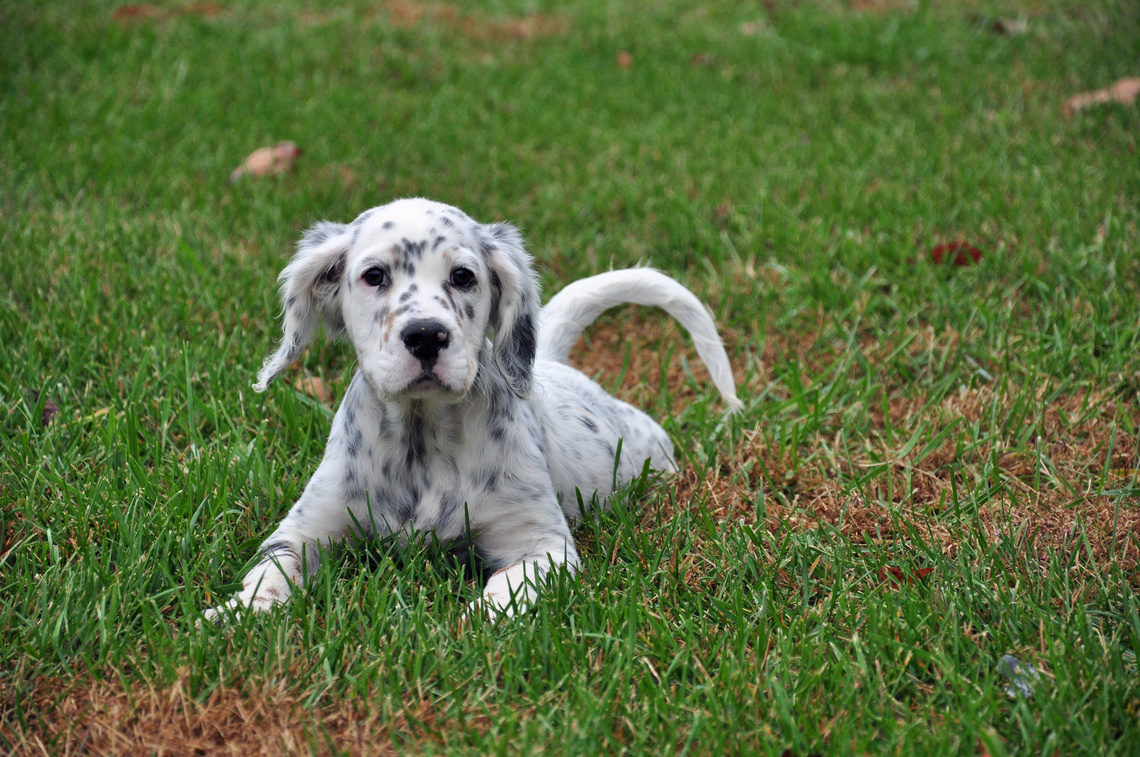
(1123, 91)
(962, 253)
(317, 388)
(1006, 26)
(624, 59)
(136, 11)
(51, 409)
(404, 14)
(267, 160)
(125, 14)
(896, 578)
(883, 6)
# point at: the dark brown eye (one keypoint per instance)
(462, 278)
(375, 277)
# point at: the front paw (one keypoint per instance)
(509, 592)
(261, 591)
(239, 604)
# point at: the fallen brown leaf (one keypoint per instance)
(146, 12)
(267, 160)
(1123, 91)
(1007, 26)
(963, 253)
(624, 59)
(405, 14)
(136, 11)
(316, 388)
(51, 409)
(895, 578)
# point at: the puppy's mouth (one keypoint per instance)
(426, 383)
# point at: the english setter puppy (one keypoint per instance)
(463, 418)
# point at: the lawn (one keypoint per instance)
(938, 465)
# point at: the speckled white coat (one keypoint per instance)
(463, 419)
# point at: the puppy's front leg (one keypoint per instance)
(321, 517)
(527, 551)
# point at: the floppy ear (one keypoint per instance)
(310, 288)
(514, 307)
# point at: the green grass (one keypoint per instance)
(793, 163)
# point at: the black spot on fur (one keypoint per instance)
(518, 357)
(320, 234)
(447, 221)
(355, 443)
(449, 504)
(450, 297)
(414, 249)
(588, 423)
(278, 550)
(406, 507)
(417, 450)
(470, 310)
(389, 225)
(492, 481)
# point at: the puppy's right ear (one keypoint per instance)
(310, 288)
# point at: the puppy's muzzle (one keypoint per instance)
(424, 338)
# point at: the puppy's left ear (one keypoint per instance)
(514, 308)
(310, 291)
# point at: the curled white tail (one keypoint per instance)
(579, 304)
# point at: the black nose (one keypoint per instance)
(424, 338)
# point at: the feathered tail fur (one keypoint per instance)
(577, 306)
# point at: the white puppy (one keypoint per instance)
(463, 418)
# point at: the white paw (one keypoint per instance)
(509, 592)
(218, 615)
(262, 590)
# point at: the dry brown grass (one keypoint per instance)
(403, 14)
(1045, 496)
(88, 716)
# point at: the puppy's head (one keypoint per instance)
(417, 287)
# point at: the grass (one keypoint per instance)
(937, 465)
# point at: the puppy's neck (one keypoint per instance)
(444, 420)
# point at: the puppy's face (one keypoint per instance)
(416, 300)
(415, 285)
